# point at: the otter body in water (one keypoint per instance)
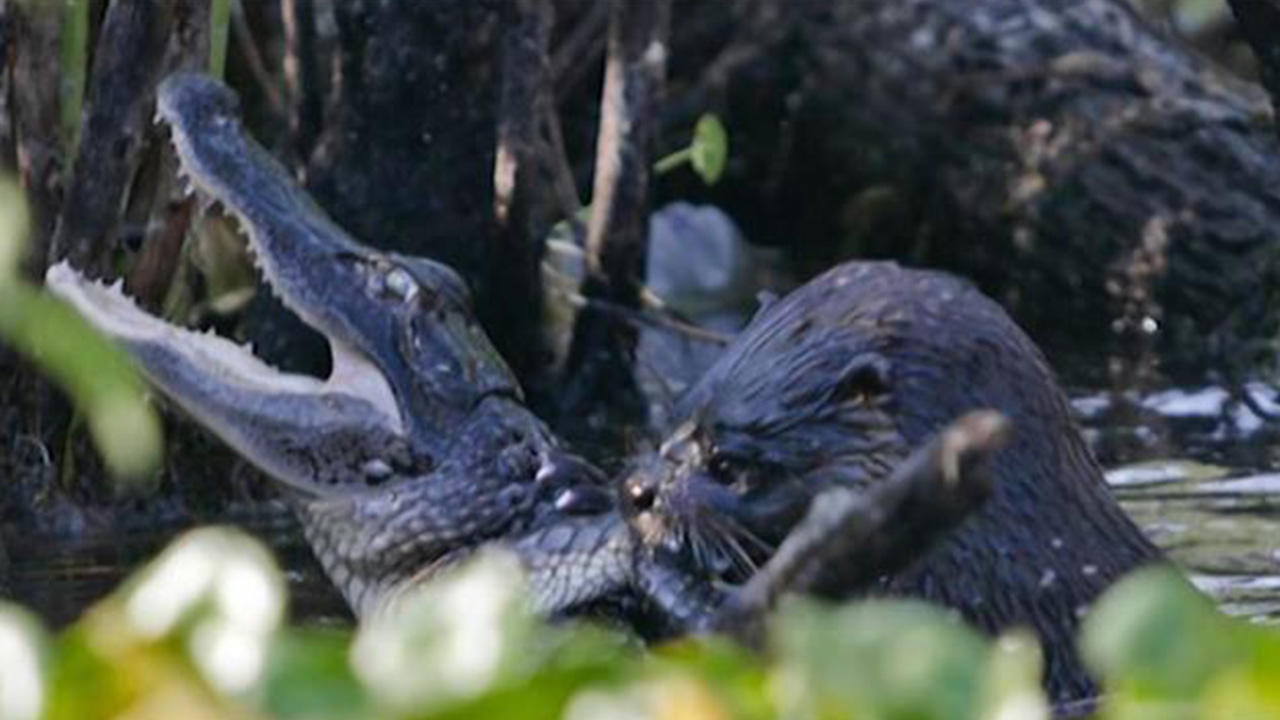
(831, 386)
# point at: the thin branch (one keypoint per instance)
(33, 28)
(247, 44)
(655, 319)
(301, 75)
(566, 188)
(600, 354)
(167, 213)
(126, 66)
(580, 49)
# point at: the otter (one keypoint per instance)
(832, 386)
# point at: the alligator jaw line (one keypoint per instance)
(276, 420)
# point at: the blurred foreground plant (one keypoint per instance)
(199, 634)
(97, 376)
(1167, 653)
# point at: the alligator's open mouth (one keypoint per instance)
(408, 356)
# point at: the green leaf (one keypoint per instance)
(1153, 635)
(98, 377)
(308, 676)
(14, 221)
(710, 148)
(879, 660)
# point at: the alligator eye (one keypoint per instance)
(721, 469)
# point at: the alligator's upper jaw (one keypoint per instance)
(408, 358)
(305, 259)
(409, 316)
(310, 434)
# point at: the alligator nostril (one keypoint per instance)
(641, 494)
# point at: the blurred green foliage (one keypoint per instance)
(199, 633)
(94, 373)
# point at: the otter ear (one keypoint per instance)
(867, 374)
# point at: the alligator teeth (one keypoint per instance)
(203, 205)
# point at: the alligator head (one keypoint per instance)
(417, 448)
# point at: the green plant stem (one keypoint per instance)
(73, 53)
(219, 28)
(673, 161)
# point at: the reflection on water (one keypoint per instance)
(1185, 463)
(59, 577)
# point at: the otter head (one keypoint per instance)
(797, 403)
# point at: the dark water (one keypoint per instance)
(59, 576)
(1188, 464)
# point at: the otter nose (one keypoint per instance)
(641, 491)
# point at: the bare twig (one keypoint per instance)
(247, 44)
(655, 319)
(566, 189)
(126, 67)
(580, 48)
(599, 360)
(168, 214)
(301, 75)
(633, 86)
(34, 31)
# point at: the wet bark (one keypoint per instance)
(1093, 174)
(1259, 23)
(524, 204)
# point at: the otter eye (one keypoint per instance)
(865, 377)
(721, 469)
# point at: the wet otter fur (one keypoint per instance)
(832, 385)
